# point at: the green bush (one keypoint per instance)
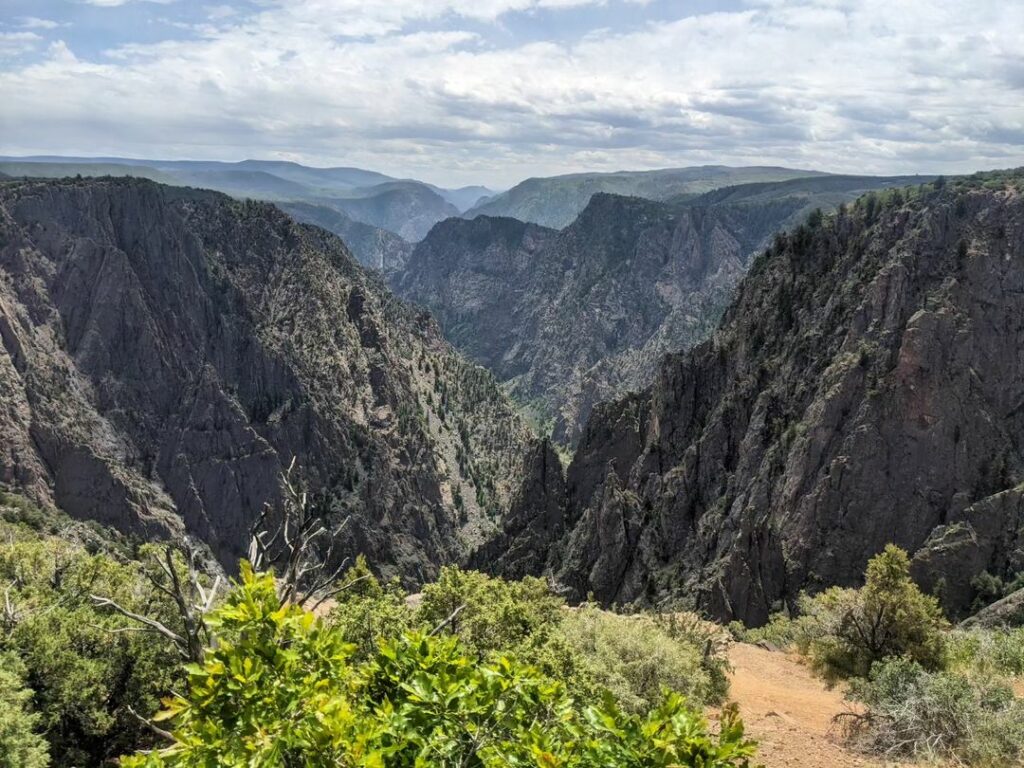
(280, 688)
(90, 668)
(87, 667)
(491, 614)
(367, 612)
(939, 715)
(848, 630)
(21, 746)
(635, 658)
(989, 652)
(588, 649)
(783, 632)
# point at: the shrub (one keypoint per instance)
(636, 658)
(490, 614)
(783, 632)
(88, 668)
(588, 649)
(938, 715)
(368, 612)
(989, 652)
(280, 688)
(20, 744)
(849, 630)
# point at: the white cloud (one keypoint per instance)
(33, 22)
(17, 43)
(871, 86)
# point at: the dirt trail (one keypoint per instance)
(789, 712)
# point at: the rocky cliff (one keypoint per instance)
(372, 246)
(573, 317)
(864, 387)
(165, 352)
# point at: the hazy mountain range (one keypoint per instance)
(403, 207)
(555, 201)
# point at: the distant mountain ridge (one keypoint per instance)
(403, 207)
(572, 317)
(556, 201)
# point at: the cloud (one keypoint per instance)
(419, 87)
(33, 22)
(17, 43)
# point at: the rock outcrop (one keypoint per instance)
(864, 387)
(165, 352)
(536, 518)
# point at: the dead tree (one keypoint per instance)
(191, 599)
(299, 547)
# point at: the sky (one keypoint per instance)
(493, 91)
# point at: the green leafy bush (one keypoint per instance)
(784, 632)
(848, 630)
(989, 652)
(280, 688)
(490, 614)
(588, 649)
(845, 631)
(941, 715)
(21, 746)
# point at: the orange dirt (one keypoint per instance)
(789, 712)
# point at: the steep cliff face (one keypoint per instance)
(865, 387)
(575, 317)
(372, 246)
(165, 352)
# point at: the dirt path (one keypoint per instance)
(789, 712)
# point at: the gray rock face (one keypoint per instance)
(865, 387)
(1005, 613)
(372, 246)
(572, 318)
(535, 519)
(166, 352)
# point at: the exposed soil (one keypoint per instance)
(790, 712)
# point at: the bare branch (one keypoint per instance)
(451, 617)
(301, 546)
(153, 727)
(156, 626)
(335, 592)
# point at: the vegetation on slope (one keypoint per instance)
(280, 688)
(474, 671)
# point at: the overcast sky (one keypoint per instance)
(492, 91)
